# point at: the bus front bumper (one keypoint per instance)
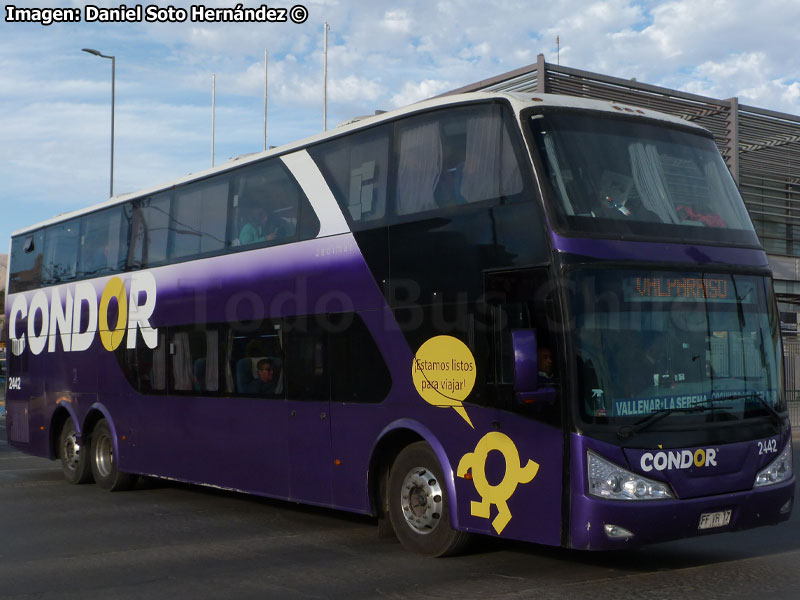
(597, 524)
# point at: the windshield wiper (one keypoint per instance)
(760, 397)
(627, 431)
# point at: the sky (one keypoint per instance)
(55, 100)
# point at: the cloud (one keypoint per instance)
(67, 146)
(751, 76)
(396, 21)
(354, 88)
(416, 91)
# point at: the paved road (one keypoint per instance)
(59, 541)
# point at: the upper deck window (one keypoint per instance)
(27, 259)
(149, 231)
(423, 163)
(269, 207)
(456, 157)
(61, 252)
(250, 207)
(103, 241)
(356, 167)
(638, 178)
(199, 217)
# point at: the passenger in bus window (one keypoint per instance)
(262, 227)
(264, 384)
(252, 230)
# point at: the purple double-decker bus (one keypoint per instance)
(539, 318)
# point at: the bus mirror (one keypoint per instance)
(526, 360)
(526, 370)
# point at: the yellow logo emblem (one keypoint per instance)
(498, 494)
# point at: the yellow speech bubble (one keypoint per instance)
(443, 371)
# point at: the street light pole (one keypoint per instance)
(325, 77)
(213, 112)
(265, 99)
(113, 85)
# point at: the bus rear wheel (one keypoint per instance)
(74, 455)
(418, 504)
(104, 467)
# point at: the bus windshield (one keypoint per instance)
(638, 178)
(694, 344)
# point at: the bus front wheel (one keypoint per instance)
(104, 467)
(418, 504)
(74, 455)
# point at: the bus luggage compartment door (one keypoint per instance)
(310, 452)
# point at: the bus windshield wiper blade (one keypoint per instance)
(627, 431)
(760, 397)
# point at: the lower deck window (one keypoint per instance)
(315, 357)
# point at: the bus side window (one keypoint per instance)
(358, 370)
(149, 231)
(454, 157)
(254, 359)
(419, 158)
(269, 207)
(522, 299)
(61, 252)
(490, 165)
(145, 368)
(198, 219)
(102, 242)
(356, 168)
(195, 360)
(27, 259)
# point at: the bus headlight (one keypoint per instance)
(611, 482)
(778, 470)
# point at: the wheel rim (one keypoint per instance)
(71, 451)
(421, 500)
(104, 456)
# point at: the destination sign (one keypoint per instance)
(687, 289)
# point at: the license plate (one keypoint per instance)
(715, 519)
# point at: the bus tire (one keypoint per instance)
(418, 504)
(74, 456)
(104, 467)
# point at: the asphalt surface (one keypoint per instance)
(166, 540)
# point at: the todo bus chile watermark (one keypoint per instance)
(155, 13)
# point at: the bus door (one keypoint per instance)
(308, 387)
(527, 422)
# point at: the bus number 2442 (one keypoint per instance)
(768, 447)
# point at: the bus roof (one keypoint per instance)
(518, 101)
